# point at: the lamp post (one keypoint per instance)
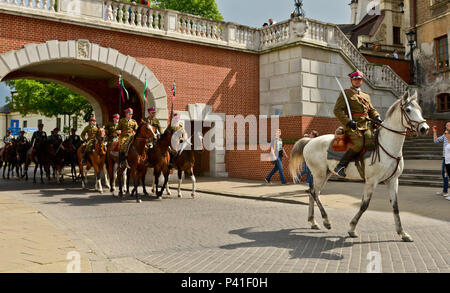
(411, 41)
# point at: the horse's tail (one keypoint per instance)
(296, 158)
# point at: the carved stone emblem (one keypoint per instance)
(83, 49)
(300, 28)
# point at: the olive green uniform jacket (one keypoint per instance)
(128, 128)
(361, 108)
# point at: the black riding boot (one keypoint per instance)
(340, 168)
(123, 163)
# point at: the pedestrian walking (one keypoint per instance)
(309, 176)
(443, 139)
(276, 154)
(447, 156)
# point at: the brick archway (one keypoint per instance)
(84, 53)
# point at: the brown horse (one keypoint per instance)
(112, 165)
(158, 159)
(56, 151)
(185, 162)
(137, 159)
(10, 159)
(95, 159)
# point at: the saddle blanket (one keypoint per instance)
(332, 155)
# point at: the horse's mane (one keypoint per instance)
(391, 109)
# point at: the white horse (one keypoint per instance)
(405, 114)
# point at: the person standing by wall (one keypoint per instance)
(276, 154)
(443, 139)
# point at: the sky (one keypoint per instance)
(256, 12)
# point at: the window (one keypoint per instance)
(58, 123)
(39, 122)
(396, 34)
(75, 122)
(25, 124)
(441, 45)
(443, 103)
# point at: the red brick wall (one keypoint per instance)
(227, 80)
(248, 165)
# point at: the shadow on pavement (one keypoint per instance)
(306, 246)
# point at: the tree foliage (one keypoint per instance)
(203, 8)
(46, 98)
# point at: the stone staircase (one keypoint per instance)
(422, 148)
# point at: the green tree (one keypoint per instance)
(203, 8)
(46, 98)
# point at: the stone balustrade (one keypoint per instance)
(136, 18)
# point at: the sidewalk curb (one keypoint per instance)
(235, 195)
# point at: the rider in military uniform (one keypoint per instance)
(55, 137)
(126, 129)
(154, 122)
(7, 140)
(38, 136)
(111, 129)
(359, 127)
(74, 138)
(91, 131)
(22, 138)
(177, 129)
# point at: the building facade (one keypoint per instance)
(432, 26)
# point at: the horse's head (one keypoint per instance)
(412, 118)
(101, 134)
(145, 130)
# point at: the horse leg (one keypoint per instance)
(393, 194)
(368, 191)
(143, 183)
(105, 174)
(121, 179)
(193, 183)
(157, 173)
(166, 179)
(42, 178)
(35, 170)
(180, 179)
(319, 183)
(98, 176)
(128, 180)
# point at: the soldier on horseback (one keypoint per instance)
(55, 137)
(357, 129)
(7, 141)
(179, 136)
(111, 129)
(37, 138)
(126, 129)
(74, 138)
(22, 138)
(155, 124)
(91, 131)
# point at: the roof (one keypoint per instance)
(5, 109)
(368, 26)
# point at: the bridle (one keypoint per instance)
(413, 129)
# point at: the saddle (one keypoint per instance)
(341, 144)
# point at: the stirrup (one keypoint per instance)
(340, 170)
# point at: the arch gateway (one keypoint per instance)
(83, 66)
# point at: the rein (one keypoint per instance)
(409, 127)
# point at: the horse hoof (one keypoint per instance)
(407, 238)
(315, 227)
(180, 195)
(138, 200)
(353, 234)
(193, 195)
(327, 225)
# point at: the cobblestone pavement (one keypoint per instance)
(231, 235)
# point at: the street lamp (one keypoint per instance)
(411, 35)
